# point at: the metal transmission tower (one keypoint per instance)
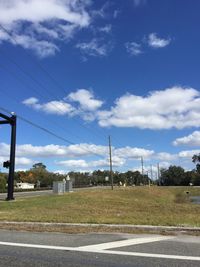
(10, 163)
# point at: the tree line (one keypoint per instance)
(42, 178)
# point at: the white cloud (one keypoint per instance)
(132, 152)
(37, 24)
(52, 107)
(95, 48)
(133, 48)
(164, 156)
(82, 164)
(73, 163)
(157, 42)
(86, 108)
(174, 107)
(157, 110)
(30, 101)
(164, 164)
(19, 161)
(191, 140)
(77, 150)
(188, 153)
(86, 99)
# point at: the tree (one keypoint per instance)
(2, 182)
(174, 175)
(196, 159)
(39, 166)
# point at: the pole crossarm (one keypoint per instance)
(4, 122)
(8, 119)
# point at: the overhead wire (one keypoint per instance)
(39, 83)
(48, 131)
(50, 120)
(32, 87)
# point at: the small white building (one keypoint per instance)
(25, 186)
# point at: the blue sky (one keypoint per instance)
(88, 69)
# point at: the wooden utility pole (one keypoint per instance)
(151, 172)
(158, 168)
(142, 163)
(110, 153)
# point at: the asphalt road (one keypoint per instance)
(22, 249)
(40, 193)
(27, 194)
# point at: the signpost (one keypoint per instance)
(10, 163)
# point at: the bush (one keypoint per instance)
(2, 184)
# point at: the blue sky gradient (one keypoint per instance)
(129, 69)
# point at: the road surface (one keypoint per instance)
(22, 249)
(40, 193)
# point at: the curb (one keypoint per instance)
(111, 226)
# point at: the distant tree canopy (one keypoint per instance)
(39, 166)
(176, 175)
(172, 176)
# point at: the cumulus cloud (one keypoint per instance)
(52, 107)
(86, 105)
(188, 153)
(74, 156)
(174, 107)
(164, 156)
(133, 48)
(191, 140)
(19, 161)
(133, 152)
(52, 150)
(86, 99)
(82, 164)
(36, 24)
(156, 42)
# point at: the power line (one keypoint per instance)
(48, 131)
(41, 95)
(39, 83)
(39, 127)
(54, 122)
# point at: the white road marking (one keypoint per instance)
(101, 248)
(125, 243)
(148, 255)
(37, 246)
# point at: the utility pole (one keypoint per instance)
(158, 169)
(142, 163)
(11, 163)
(110, 153)
(151, 172)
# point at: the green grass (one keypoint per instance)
(138, 205)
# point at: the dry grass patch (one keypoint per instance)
(138, 205)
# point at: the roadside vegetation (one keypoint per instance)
(40, 177)
(131, 205)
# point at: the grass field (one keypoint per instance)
(137, 205)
